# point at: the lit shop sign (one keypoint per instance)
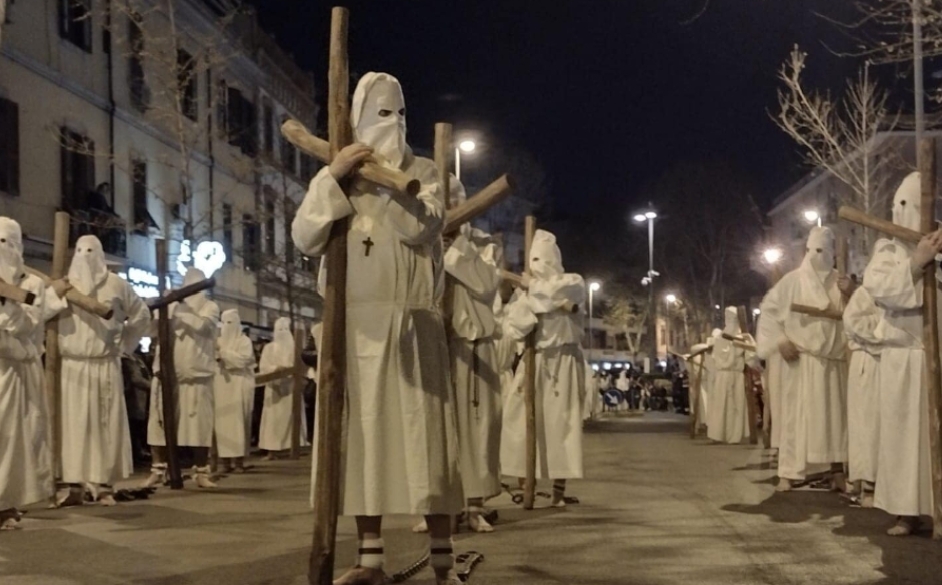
(144, 282)
(208, 257)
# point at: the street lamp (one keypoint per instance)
(641, 217)
(594, 286)
(812, 216)
(466, 146)
(772, 255)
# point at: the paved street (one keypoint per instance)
(657, 509)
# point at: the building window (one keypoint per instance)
(186, 84)
(9, 147)
(227, 229)
(241, 122)
(270, 222)
(77, 154)
(143, 221)
(139, 98)
(268, 128)
(250, 242)
(75, 23)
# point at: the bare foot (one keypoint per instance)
(446, 577)
(107, 500)
(866, 501)
(783, 485)
(905, 526)
(362, 576)
(421, 527)
(838, 483)
(74, 497)
(10, 519)
(477, 523)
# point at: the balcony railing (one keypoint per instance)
(107, 227)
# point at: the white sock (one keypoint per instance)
(370, 554)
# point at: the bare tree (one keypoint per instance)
(840, 136)
(628, 311)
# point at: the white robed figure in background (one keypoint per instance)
(24, 477)
(194, 325)
(861, 318)
(234, 392)
(548, 307)
(814, 402)
(400, 425)
(471, 264)
(623, 385)
(728, 420)
(96, 440)
(780, 375)
(274, 434)
(894, 280)
(592, 403)
(696, 366)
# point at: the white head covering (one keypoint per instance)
(385, 134)
(231, 331)
(907, 202)
(283, 342)
(194, 275)
(88, 269)
(11, 250)
(731, 321)
(820, 251)
(545, 258)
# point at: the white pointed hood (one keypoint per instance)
(283, 342)
(545, 257)
(231, 331)
(731, 324)
(88, 269)
(907, 202)
(386, 134)
(194, 275)
(11, 250)
(820, 250)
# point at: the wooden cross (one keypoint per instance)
(529, 388)
(53, 366)
(168, 375)
(930, 315)
(751, 406)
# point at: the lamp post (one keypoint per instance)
(593, 287)
(466, 146)
(650, 216)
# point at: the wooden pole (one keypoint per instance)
(53, 367)
(297, 390)
(854, 215)
(695, 399)
(930, 333)
(478, 203)
(443, 157)
(74, 297)
(829, 313)
(177, 295)
(332, 362)
(168, 376)
(529, 389)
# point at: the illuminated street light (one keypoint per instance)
(812, 216)
(671, 299)
(594, 286)
(650, 215)
(772, 255)
(757, 312)
(467, 146)
(640, 218)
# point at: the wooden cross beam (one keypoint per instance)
(899, 232)
(179, 294)
(332, 360)
(371, 170)
(53, 365)
(529, 388)
(829, 313)
(477, 204)
(298, 377)
(74, 297)
(930, 331)
(16, 294)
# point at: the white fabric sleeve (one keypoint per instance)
(53, 305)
(201, 323)
(557, 292)
(519, 319)
(465, 264)
(266, 363)
(889, 280)
(22, 320)
(324, 203)
(138, 319)
(420, 219)
(861, 318)
(239, 357)
(770, 330)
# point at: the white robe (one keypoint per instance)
(728, 419)
(813, 398)
(96, 440)
(592, 403)
(400, 427)
(194, 358)
(903, 483)
(780, 376)
(560, 380)
(474, 367)
(234, 397)
(23, 478)
(275, 430)
(861, 318)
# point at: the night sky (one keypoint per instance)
(608, 95)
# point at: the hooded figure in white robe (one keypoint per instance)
(780, 375)
(592, 403)
(903, 479)
(234, 389)
(623, 384)
(814, 401)
(861, 318)
(547, 307)
(96, 440)
(25, 478)
(400, 426)
(194, 323)
(471, 264)
(696, 366)
(728, 417)
(275, 431)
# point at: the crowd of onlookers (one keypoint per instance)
(666, 389)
